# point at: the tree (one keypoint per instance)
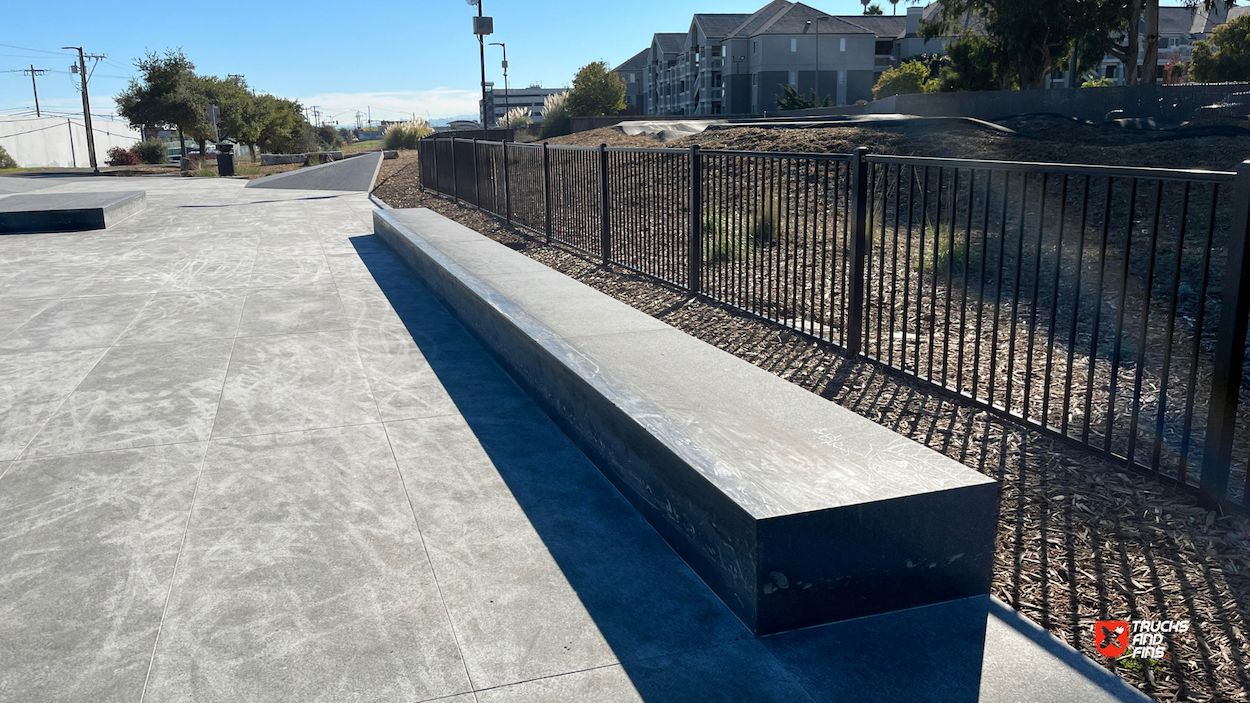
(1226, 55)
(791, 99)
(327, 136)
(974, 65)
(283, 129)
(1032, 38)
(910, 77)
(208, 90)
(164, 95)
(893, 7)
(242, 117)
(874, 9)
(596, 91)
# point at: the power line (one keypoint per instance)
(26, 48)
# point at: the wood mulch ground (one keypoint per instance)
(1044, 139)
(1079, 538)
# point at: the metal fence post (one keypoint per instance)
(605, 240)
(546, 193)
(477, 179)
(455, 180)
(507, 194)
(858, 250)
(694, 280)
(1230, 347)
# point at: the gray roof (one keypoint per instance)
(720, 25)
(760, 17)
(884, 26)
(794, 20)
(670, 42)
(634, 63)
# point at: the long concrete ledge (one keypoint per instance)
(795, 511)
(67, 212)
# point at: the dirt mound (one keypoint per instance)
(1040, 138)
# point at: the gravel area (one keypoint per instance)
(1080, 539)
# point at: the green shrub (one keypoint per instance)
(405, 135)
(911, 77)
(6, 161)
(721, 243)
(791, 99)
(1103, 82)
(152, 151)
(765, 223)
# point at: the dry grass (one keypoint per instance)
(1079, 538)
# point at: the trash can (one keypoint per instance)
(225, 160)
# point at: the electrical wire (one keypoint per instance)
(42, 51)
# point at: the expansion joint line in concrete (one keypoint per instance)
(416, 522)
(186, 529)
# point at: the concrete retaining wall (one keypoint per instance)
(57, 142)
(1175, 103)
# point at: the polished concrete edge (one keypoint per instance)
(59, 213)
(776, 574)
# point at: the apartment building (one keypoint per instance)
(632, 72)
(740, 63)
(1179, 28)
(735, 63)
(499, 100)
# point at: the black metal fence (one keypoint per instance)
(1083, 301)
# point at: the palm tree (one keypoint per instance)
(893, 7)
(865, 4)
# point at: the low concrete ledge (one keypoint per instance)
(795, 511)
(31, 213)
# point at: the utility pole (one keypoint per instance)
(32, 73)
(86, 102)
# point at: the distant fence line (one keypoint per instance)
(1086, 302)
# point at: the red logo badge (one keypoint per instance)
(1111, 637)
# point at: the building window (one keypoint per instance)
(1174, 42)
(794, 78)
(794, 45)
(755, 46)
(842, 44)
(1111, 71)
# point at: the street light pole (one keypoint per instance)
(481, 27)
(504, 46)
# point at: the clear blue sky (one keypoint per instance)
(397, 57)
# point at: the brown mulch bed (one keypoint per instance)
(1079, 538)
(1080, 143)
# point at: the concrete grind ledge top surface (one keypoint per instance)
(774, 448)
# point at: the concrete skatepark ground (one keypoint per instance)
(245, 455)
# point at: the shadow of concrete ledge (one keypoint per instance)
(668, 638)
